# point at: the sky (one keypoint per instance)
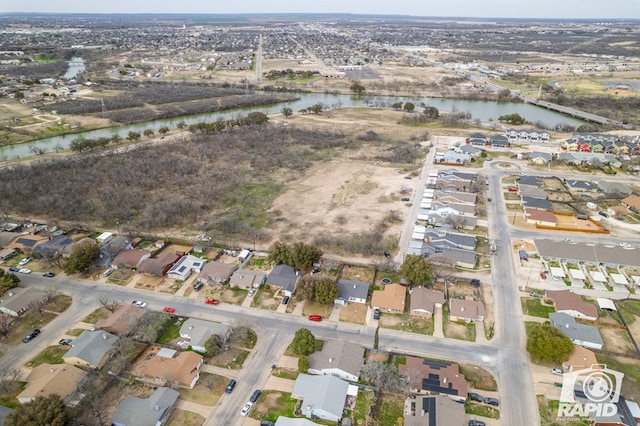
(564, 9)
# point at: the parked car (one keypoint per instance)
(489, 199)
(198, 286)
(406, 199)
(139, 303)
(476, 423)
(535, 294)
(255, 395)
(230, 386)
(285, 300)
(376, 314)
(25, 271)
(48, 274)
(14, 269)
(65, 342)
(543, 275)
(211, 301)
(316, 318)
(245, 410)
(492, 401)
(24, 261)
(267, 423)
(169, 310)
(31, 336)
(476, 397)
(475, 282)
(107, 272)
(557, 372)
(604, 214)
(252, 292)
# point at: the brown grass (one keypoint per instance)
(358, 273)
(354, 312)
(185, 418)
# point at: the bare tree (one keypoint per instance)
(6, 323)
(209, 381)
(109, 305)
(9, 381)
(52, 293)
(38, 306)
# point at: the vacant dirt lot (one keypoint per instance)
(616, 340)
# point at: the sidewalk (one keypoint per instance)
(437, 323)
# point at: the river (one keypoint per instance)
(483, 110)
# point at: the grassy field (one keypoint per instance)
(95, 316)
(185, 418)
(535, 308)
(483, 410)
(50, 355)
(207, 390)
(478, 377)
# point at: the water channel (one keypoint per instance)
(483, 110)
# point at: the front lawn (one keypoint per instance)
(414, 324)
(50, 355)
(95, 316)
(391, 409)
(478, 377)
(483, 410)
(185, 418)
(273, 404)
(171, 333)
(207, 390)
(535, 308)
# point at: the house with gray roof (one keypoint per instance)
(499, 141)
(537, 157)
(609, 187)
(580, 334)
(322, 397)
(455, 197)
(152, 411)
(536, 203)
(18, 300)
(247, 278)
(477, 139)
(352, 291)
(283, 277)
(590, 254)
(60, 244)
(529, 180)
(338, 358)
(90, 349)
(198, 332)
(471, 151)
(533, 192)
(217, 273)
(463, 241)
(453, 175)
(580, 185)
(447, 253)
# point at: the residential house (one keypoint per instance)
(428, 376)
(90, 349)
(199, 331)
(436, 410)
(247, 278)
(152, 411)
(471, 151)
(49, 379)
(580, 334)
(7, 237)
(540, 217)
(608, 255)
(533, 192)
(580, 185)
(466, 310)
(452, 157)
(131, 259)
(164, 366)
(18, 300)
(338, 358)
(322, 397)
(288, 421)
(540, 158)
(391, 298)
(27, 243)
(352, 291)
(462, 241)
(158, 266)
(57, 245)
(477, 139)
(570, 303)
(536, 203)
(632, 202)
(447, 253)
(121, 320)
(217, 273)
(579, 359)
(424, 301)
(7, 253)
(499, 141)
(456, 175)
(283, 277)
(110, 250)
(185, 266)
(467, 198)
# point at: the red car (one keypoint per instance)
(543, 275)
(315, 318)
(211, 301)
(168, 310)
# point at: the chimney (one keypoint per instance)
(444, 380)
(51, 369)
(104, 336)
(330, 360)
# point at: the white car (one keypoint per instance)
(246, 409)
(24, 261)
(252, 292)
(139, 303)
(25, 271)
(557, 372)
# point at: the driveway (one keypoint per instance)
(437, 323)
